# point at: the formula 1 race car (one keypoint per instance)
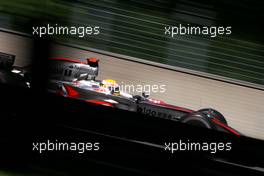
(76, 79)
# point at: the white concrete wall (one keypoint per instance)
(16, 45)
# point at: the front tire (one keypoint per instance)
(198, 119)
(215, 114)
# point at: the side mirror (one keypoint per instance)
(145, 95)
(138, 98)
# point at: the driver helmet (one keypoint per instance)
(111, 86)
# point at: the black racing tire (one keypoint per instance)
(215, 113)
(198, 119)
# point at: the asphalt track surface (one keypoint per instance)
(242, 106)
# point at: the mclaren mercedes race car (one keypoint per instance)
(76, 79)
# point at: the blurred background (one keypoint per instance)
(136, 28)
(225, 72)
